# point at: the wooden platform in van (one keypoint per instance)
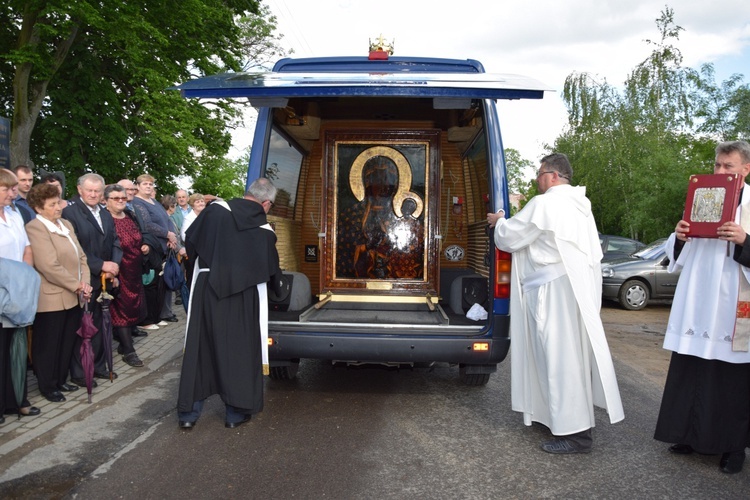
(378, 313)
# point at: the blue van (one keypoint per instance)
(386, 168)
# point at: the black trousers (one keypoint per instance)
(52, 346)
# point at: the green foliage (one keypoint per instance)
(723, 110)
(91, 83)
(635, 147)
(261, 45)
(518, 171)
(223, 177)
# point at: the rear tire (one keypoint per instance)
(473, 379)
(288, 372)
(633, 295)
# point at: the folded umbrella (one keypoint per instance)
(86, 331)
(104, 299)
(18, 356)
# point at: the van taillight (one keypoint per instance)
(502, 274)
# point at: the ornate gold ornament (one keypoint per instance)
(404, 178)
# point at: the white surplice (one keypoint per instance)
(560, 361)
(704, 309)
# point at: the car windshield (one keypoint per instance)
(652, 250)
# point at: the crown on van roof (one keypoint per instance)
(381, 45)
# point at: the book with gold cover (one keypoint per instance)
(711, 201)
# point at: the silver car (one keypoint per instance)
(618, 247)
(643, 276)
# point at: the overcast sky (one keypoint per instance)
(543, 39)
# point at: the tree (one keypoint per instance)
(261, 45)
(722, 111)
(90, 82)
(43, 39)
(518, 170)
(224, 178)
(635, 149)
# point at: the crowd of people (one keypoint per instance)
(108, 238)
(115, 238)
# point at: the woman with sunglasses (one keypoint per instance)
(129, 307)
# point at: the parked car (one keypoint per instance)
(635, 280)
(618, 247)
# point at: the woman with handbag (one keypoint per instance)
(129, 306)
(63, 268)
(158, 235)
(169, 203)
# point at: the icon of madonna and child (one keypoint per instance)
(380, 228)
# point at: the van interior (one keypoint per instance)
(381, 211)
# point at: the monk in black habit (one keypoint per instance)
(234, 251)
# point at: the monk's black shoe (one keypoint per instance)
(68, 387)
(681, 449)
(232, 425)
(186, 425)
(731, 463)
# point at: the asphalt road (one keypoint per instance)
(371, 433)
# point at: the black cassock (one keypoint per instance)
(223, 348)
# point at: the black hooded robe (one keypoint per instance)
(223, 347)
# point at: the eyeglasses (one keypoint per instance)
(539, 174)
(272, 203)
(117, 198)
(131, 189)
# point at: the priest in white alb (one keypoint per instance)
(560, 361)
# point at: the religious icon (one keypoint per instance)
(708, 204)
(380, 230)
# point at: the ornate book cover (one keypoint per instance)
(712, 200)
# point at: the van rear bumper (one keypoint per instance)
(392, 347)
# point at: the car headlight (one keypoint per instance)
(607, 272)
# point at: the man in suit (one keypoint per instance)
(96, 233)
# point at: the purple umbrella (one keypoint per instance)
(86, 331)
(104, 299)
